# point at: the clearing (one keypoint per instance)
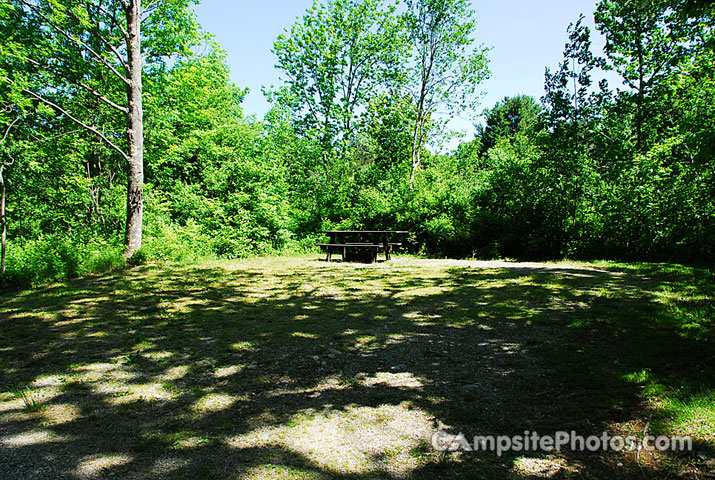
(287, 367)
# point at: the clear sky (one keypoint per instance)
(526, 36)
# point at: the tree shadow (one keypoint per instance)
(175, 372)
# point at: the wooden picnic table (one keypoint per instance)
(370, 241)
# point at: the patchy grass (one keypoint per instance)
(288, 367)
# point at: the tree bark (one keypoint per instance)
(3, 235)
(135, 120)
(416, 149)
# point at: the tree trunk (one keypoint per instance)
(416, 150)
(3, 235)
(418, 133)
(135, 120)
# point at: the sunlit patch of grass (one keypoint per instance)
(305, 335)
(174, 373)
(90, 466)
(144, 345)
(281, 472)
(227, 371)
(61, 414)
(549, 466)
(350, 441)
(32, 437)
(213, 402)
(158, 356)
(243, 346)
(684, 411)
(693, 416)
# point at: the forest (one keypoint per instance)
(123, 139)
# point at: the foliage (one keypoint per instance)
(447, 69)
(509, 118)
(57, 258)
(341, 54)
(590, 172)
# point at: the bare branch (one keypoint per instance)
(7, 130)
(111, 15)
(111, 47)
(78, 122)
(59, 135)
(77, 41)
(86, 87)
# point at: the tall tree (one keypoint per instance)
(99, 48)
(512, 116)
(568, 92)
(13, 105)
(335, 59)
(645, 41)
(447, 68)
(4, 163)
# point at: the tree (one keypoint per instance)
(100, 49)
(568, 99)
(12, 109)
(645, 41)
(447, 69)
(335, 59)
(3, 224)
(512, 116)
(388, 131)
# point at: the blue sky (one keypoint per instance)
(525, 35)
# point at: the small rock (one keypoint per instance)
(334, 351)
(399, 368)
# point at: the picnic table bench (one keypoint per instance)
(360, 244)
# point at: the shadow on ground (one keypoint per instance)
(293, 368)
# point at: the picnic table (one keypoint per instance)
(360, 244)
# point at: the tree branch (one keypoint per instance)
(149, 10)
(101, 97)
(76, 40)
(7, 130)
(109, 14)
(77, 121)
(59, 135)
(107, 43)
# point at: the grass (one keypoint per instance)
(286, 367)
(30, 400)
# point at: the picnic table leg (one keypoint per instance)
(330, 249)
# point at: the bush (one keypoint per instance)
(55, 258)
(12, 280)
